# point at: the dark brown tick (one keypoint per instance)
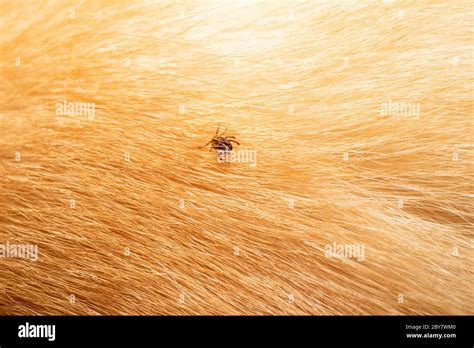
(221, 143)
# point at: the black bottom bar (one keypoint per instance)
(430, 331)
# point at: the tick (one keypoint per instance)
(221, 143)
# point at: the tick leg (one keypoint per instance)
(217, 131)
(205, 145)
(225, 130)
(234, 141)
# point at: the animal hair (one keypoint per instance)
(361, 115)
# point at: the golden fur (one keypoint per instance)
(131, 217)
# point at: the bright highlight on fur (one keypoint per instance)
(361, 201)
